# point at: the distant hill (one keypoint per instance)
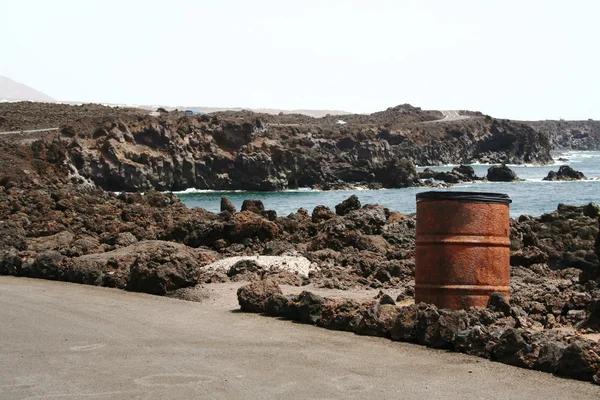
(272, 111)
(11, 90)
(275, 111)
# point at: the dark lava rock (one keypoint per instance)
(549, 357)
(163, 269)
(227, 205)
(498, 303)
(277, 305)
(565, 173)
(252, 297)
(463, 173)
(323, 213)
(47, 265)
(247, 224)
(438, 328)
(399, 173)
(473, 341)
(271, 215)
(341, 315)
(580, 360)
(501, 173)
(350, 204)
(255, 206)
(386, 299)
(244, 267)
(308, 307)
(512, 348)
(377, 320)
(528, 256)
(404, 326)
(466, 171)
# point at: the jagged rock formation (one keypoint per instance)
(565, 173)
(121, 150)
(570, 135)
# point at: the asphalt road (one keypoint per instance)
(67, 341)
(451, 115)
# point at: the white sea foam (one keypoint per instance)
(543, 181)
(193, 190)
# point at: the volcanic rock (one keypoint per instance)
(351, 203)
(253, 296)
(255, 206)
(565, 173)
(227, 205)
(501, 173)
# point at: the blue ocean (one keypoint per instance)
(532, 196)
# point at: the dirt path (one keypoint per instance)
(69, 341)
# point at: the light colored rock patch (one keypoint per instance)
(295, 264)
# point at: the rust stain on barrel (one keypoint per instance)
(462, 248)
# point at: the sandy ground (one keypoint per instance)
(295, 264)
(60, 340)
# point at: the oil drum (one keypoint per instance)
(462, 248)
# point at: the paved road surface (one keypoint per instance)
(451, 115)
(67, 341)
(31, 131)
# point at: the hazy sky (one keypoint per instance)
(523, 59)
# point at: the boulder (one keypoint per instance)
(549, 356)
(47, 266)
(369, 219)
(271, 215)
(498, 303)
(227, 205)
(403, 329)
(323, 213)
(462, 173)
(580, 360)
(307, 308)
(512, 348)
(255, 206)
(253, 296)
(501, 173)
(398, 173)
(350, 204)
(473, 341)
(248, 224)
(377, 320)
(151, 266)
(341, 315)
(243, 267)
(565, 173)
(466, 172)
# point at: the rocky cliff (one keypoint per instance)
(570, 135)
(125, 150)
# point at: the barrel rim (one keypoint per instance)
(466, 197)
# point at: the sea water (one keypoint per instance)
(532, 196)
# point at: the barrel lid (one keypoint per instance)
(467, 197)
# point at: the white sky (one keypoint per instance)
(525, 59)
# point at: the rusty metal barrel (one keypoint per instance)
(463, 248)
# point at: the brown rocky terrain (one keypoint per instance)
(153, 243)
(55, 223)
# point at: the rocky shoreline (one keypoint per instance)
(153, 243)
(58, 222)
